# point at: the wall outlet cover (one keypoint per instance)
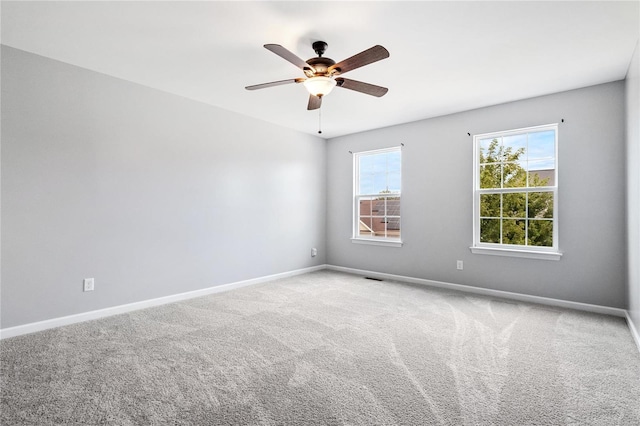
(88, 284)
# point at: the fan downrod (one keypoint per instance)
(319, 47)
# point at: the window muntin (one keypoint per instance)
(377, 194)
(515, 189)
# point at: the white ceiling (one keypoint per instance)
(445, 56)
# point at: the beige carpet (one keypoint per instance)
(327, 348)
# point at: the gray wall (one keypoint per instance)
(149, 193)
(153, 194)
(437, 199)
(633, 184)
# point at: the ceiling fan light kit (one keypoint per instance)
(321, 72)
(319, 86)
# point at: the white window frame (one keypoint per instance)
(499, 249)
(358, 239)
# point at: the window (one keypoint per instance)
(516, 192)
(377, 178)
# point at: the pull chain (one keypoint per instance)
(320, 120)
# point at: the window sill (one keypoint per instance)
(542, 255)
(388, 243)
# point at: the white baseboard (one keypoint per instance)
(634, 331)
(488, 292)
(120, 309)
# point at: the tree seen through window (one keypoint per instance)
(512, 211)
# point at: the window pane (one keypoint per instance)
(379, 183)
(515, 175)
(378, 226)
(542, 173)
(490, 176)
(393, 182)
(366, 164)
(514, 205)
(541, 233)
(366, 183)
(365, 206)
(394, 162)
(490, 230)
(514, 147)
(513, 231)
(392, 219)
(393, 206)
(393, 227)
(377, 207)
(365, 227)
(379, 162)
(490, 150)
(542, 145)
(490, 205)
(540, 205)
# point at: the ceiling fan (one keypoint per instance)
(321, 72)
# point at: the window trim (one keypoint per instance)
(512, 250)
(378, 241)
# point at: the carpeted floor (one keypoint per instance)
(327, 348)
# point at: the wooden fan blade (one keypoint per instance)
(314, 102)
(289, 56)
(359, 86)
(275, 83)
(361, 59)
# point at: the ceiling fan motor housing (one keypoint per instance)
(320, 65)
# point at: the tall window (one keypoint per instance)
(516, 192)
(377, 178)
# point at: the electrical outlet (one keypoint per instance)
(459, 265)
(314, 252)
(88, 284)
